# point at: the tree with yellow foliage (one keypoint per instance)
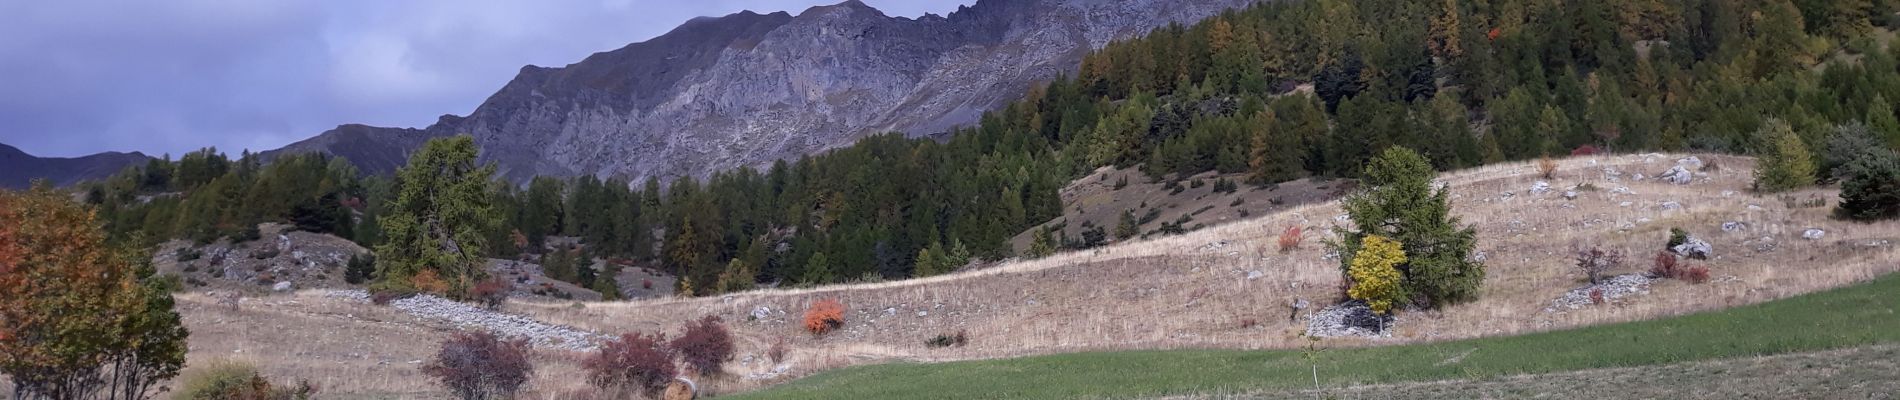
(1375, 274)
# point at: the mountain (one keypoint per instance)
(18, 169)
(747, 89)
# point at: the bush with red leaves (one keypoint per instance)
(1290, 238)
(1585, 150)
(635, 361)
(824, 316)
(490, 293)
(1596, 295)
(479, 365)
(705, 345)
(1668, 266)
(1696, 274)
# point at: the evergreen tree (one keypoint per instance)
(1870, 188)
(1398, 202)
(1787, 165)
(438, 219)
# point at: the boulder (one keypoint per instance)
(1677, 175)
(1540, 187)
(1694, 248)
(1692, 163)
(1813, 234)
(1570, 195)
(281, 286)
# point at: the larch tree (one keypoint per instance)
(439, 219)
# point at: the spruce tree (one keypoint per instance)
(1870, 187)
(1399, 203)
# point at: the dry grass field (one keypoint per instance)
(1225, 286)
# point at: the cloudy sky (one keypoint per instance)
(83, 76)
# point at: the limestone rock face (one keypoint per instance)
(748, 89)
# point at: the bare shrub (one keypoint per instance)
(778, 351)
(1596, 295)
(705, 345)
(1546, 167)
(1594, 262)
(480, 365)
(824, 316)
(634, 362)
(1290, 238)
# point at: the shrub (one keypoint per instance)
(1290, 238)
(1595, 261)
(949, 339)
(428, 282)
(1695, 274)
(778, 351)
(1596, 295)
(824, 316)
(1121, 182)
(632, 362)
(237, 381)
(1870, 187)
(705, 345)
(1677, 237)
(1546, 167)
(1666, 266)
(480, 365)
(490, 293)
(1374, 272)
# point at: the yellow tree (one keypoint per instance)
(1375, 273)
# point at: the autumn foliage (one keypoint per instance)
(480, 365)
(824, 316)
(705, 345)
(75, 319)
(634, 362)
(1290, 238)
(1375, 274)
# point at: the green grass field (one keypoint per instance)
(1858, 315)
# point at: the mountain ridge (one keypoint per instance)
(22, 168)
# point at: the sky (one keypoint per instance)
(167, 77)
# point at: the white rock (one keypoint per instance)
(1690, 163)
(1813, 234)
(1677, 175)
(1732, 226)
(923, 313)
(281, 286)
(1670, 205)
(1570, 195)
(1752, 207)
(1636, 177)
(1255, 274)
(1625, 204)
(761, 312)
(1540, 187)
(1694, 248)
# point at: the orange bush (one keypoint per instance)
(824, 316)
(1290, 238)
(427, 281)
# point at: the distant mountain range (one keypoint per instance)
(747, 89)
(18, 169)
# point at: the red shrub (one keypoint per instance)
(824, 316)
(1667, 266)
(479, 365)
(646, 284)
(705, 345)
(635, 361)
(490, 293)
(1696, 274)
(1596, 296)
(1290, 238)
(1585, 150)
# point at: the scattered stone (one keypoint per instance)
(1352, 318)
(1540, 187)
(1612, 288)
(921, 313)
(1728, 193)
(1621, 190)
(539, 333)
(1732, 226)
(1752, 207)
(1813, 234)
(1692, 163)
(1626, 204)
(1255, 274)
(761, 312)
(1670, 205)
(1636, 177)
(1694, 248)
(1570, 195)
(281, 287)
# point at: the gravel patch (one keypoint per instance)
(539, 333)
(1615, 287)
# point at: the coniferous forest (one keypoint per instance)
(1281, 91)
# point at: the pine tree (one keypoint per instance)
(818, 270)
(1398, 202)
(1870, 187)
(438, 220)
(1129, 227)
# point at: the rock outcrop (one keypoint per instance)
(748, 89)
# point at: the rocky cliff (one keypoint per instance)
(748, 88)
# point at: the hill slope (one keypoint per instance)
(748, 89)
(18, 169)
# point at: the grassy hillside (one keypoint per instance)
(1853, 316)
